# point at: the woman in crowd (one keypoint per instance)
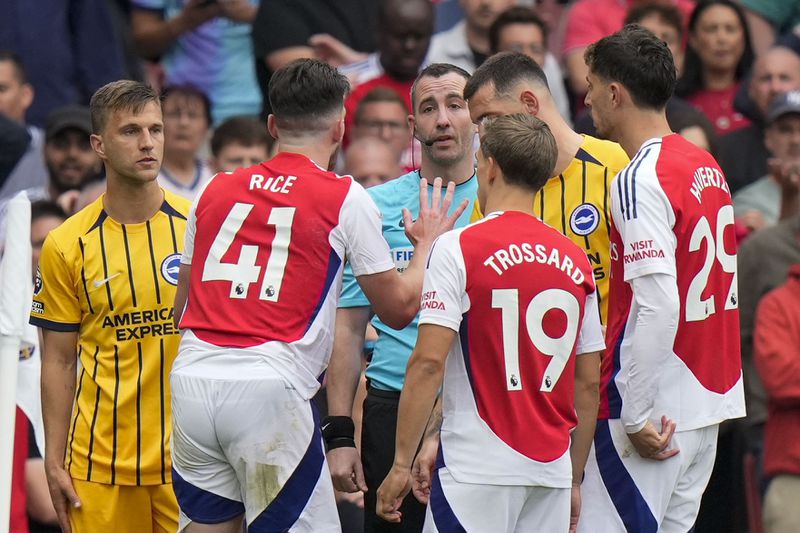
(717, 58)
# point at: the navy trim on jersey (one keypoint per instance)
(625, 495)
(633, 181)
(99, 222)
(463, 333)
(334, 262)
(171, 211)
(614, 398)
(202, 506)
(586, 157)
(55, 326)
(443, 515)
(282, 512)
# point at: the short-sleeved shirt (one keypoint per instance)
(387, 368)
(267, 245)
(522, 298)
(216, 57)
(673, 215)
(576, 203)
(114, 284)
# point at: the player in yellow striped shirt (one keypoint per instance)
(103, 296)
(576, 200)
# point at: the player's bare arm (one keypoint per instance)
(395, 297)
(425, 461)
(587, 401)
(424, 376)
(59, 366)
(181, 293)
(344, 371)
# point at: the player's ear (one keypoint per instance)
(337, 132)
(615, 93)
(271, 127)
(97, 145)
(412, 122)
(492, 170)
(530, 101)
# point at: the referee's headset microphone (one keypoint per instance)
(426, 142)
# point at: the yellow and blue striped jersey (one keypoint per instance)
(576, 203)
(115, 284)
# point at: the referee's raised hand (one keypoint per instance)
(433, 219)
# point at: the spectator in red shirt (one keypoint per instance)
(404, 34)
(717, 58)
(776, 341)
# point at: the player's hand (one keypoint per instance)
(422, 471)
(433, 219)
(653, 445)
(238, 10)
(346, 470)
(574, 507)
(331, 50)
(392, 492)
(62, 493)
(197, 12)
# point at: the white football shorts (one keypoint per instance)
(252, 446)
(625, 493)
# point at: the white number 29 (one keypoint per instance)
(697, 308)
(245, 271)
(559, 348)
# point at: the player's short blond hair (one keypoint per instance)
(127, 95)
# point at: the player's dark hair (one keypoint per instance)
(246, 131)
(46, 208)
(692, 79)
(119, 95)
(523, 147)
(187, 93)
(435, 70)
(514, 15)
(378, 95)
(16, 62)
(668, 13)
(505, 70)
(639, 61)
(305, 93)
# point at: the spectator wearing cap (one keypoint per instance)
(742, 154)
(774, 196)
(71, 162)
(776, 338)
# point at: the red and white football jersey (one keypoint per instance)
(673, 215)
(517, 291)
(266, 245)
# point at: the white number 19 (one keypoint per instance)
(559, 348)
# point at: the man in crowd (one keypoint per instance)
(371, 162)
(239, 142)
